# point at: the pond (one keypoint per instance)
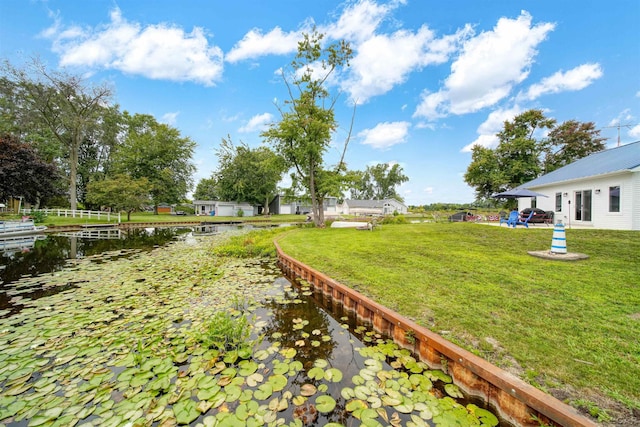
(179, 336)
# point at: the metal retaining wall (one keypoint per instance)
(515, 400)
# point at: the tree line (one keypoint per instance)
(94, 153)
(66, 142)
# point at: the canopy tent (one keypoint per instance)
(516, 193)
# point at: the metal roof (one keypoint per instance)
(618, 159)
(367, 203)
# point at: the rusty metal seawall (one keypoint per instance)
(516, 401)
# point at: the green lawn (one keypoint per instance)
(561, 326)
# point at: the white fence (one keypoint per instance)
(68, 213)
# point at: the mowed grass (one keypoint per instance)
(558, 325)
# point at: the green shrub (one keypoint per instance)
(39, 216)
(396, 219)
(240, 213)
(257, 243)
(225, 332)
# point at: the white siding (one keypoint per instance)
(627, 219)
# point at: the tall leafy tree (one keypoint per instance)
(569, 142)
(207, 189)
(63, 105)
(520, 157)
(159, 153)
(376, 182)
(94, 159)
(246, 174)
(23, 173)
(383, 180)
(121, 192)
(303, 135)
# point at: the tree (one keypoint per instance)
(61, 103)
(157, 152)
(206, 189)
(383, 180)
(520, 157)
(303, 134)
(248, 175)
(378, 182)
(24, 174)
(122, 193)
(569, 142)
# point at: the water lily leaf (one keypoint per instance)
(486, 417)
(278, 382)
(263, 392)
(299, 400)
(347, 393)
(254, 379)
(233, 393)
(417, 421)
(316, 373)
(288, 353)
(333, 375)
(208, 393)
(185, 411)
(438, 375)
(321, 363)
(308, 390)
(247, 368)
(281, 368)
(325, 403)
(355, 404)
(453, 390)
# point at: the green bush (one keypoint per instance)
(257, 243)
(396, 219)
(225, 332)
(39, 216)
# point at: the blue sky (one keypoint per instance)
(430, 78)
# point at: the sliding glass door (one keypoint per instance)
(583, 205)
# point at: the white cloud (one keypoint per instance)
(383, 61)
(156, 51)
(428, 190)
(634, 132)
(170, 118)
(257, 123)
(255, 44)
(385, 135)
(358, 21)
(489, 128)
(488, 67)
(574, 79)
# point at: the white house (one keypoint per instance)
(220, 208)
(281, 205)
(373, 207)
(601, 190)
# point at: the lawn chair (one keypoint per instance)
(511, 219)
(524, 221)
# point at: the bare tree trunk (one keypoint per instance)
(266, 205)
(73, 171)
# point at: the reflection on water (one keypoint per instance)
(36, 255)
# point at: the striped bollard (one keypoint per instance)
(559, 240)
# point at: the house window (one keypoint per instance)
(614, 199)
(558, 202)
(534, 202)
